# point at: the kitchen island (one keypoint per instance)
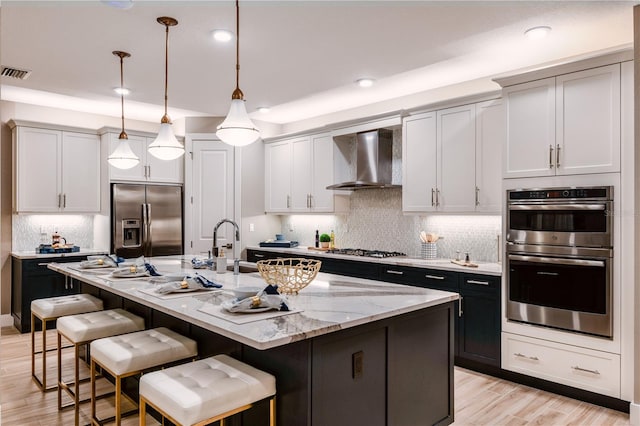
(351, 352)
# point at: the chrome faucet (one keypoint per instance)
(215, 234)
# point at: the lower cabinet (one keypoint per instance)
(31, 280)
(581, 368)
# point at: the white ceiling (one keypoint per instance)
(301, 58)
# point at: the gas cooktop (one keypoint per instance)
(367, 253)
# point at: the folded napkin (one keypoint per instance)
(201, 263)
(269, 298)
(197, 282)
(152, 270)
(102, 261)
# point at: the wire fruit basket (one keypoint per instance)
(290, 275)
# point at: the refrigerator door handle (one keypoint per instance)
(149, 240)
(144, 228)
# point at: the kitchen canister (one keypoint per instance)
(429, 251)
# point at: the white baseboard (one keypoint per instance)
(634, 414)
(6, 320)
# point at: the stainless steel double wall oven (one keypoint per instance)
(559, 258)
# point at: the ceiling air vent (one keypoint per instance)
(14, 73)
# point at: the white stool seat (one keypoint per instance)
(95, 325)
(142, 350)
(54, 307)
(204, 389)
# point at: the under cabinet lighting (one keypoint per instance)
(122, 91)
(537, 33)
(223, 36)
(365, 82)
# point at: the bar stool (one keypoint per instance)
(133, 353)
(205, 391)
(50, 309)
(81, 330)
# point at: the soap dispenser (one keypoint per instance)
(221, 262)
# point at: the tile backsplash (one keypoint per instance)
(29, 231)
(375, 221)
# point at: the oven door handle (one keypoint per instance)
(558, 261)
(598, 206)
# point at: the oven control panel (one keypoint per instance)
(603, 193)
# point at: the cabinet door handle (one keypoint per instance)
(64, 201)
(43, 264)
(551, 156)
(434, 277)
(59, 200)
(477, 191)
(433, 193)
(478, 282)
(288, 201)
(310, 201)
(437, 197)
(586, 370)
(149, 173)
(519, 355)
(557, 155)
(460, 307)
(391, 271)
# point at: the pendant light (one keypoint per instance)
(237, 129)
(122, 157)
(166, 146)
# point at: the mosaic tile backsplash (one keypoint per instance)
(29, 231)
(375, 221)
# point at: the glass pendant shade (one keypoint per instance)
(166, 146)
(237, 129)
(123, 157)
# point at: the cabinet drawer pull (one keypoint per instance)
(259, 255)
(478, 282)
(43, 264)
(434, 277)
(551, 156)
(519, 355)
(586, 370)
(389, 271)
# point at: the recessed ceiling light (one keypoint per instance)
(263, 109)
(222, 35)
(121, 91)
(536, 33)
(365, 82)
(118, 4)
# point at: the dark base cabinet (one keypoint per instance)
(31, 280)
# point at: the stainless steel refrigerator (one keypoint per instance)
(146, 220)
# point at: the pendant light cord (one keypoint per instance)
(123, 135)
(166, 70)
(237, 94)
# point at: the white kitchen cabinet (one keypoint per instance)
(297, 172)
(419, 140)
(456, 130)
(491, 135)
(149, 169)
(449, 159)
(56, 171)
(574, 366)
(569, 124)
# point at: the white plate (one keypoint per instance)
(129, 274)
(251, 311)
(95, 266)
(244, 292)
(187, 290)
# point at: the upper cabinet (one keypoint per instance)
(450, 157)
(569, 124)
(149, 169)
(297, 172)
(55, 171)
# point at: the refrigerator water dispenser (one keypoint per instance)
(131, 233)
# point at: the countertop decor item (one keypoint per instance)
(290, 275)
(166, 146)
(325, 240)
(122, 157)
(237, 129)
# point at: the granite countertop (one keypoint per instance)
(329, 303)
(31, 254)
(486, 268)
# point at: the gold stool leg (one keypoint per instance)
(33, 346)
(59, 350)
(93, 390)
(44, 354)
(118, 380)
(142, 419)
(272, 411)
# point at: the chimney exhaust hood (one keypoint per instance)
(373, 161)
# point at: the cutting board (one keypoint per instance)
(463, 263)
(318, 248)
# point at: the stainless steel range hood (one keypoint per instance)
(373, 161)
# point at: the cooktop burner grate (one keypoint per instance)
(367, 253)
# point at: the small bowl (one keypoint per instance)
(279, 237)
(244, 292)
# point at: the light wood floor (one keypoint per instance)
(479, 399)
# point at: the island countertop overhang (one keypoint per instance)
(329, 303)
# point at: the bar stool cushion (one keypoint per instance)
(54, 307)
(141, 350)
(203, 389)
(95, 325)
